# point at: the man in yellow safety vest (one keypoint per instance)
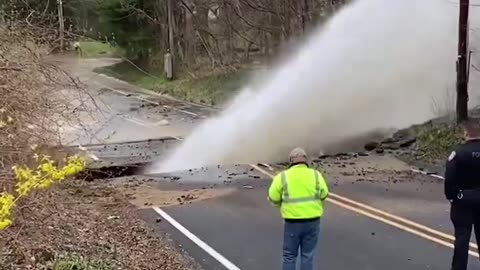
(299, 192)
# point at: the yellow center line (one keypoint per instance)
(392, 220)
(388, 218)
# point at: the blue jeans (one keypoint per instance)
(303, 236)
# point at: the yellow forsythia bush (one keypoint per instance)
(28, 180)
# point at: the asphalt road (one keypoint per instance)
(247, 230)
(112, 111)
(241, 229)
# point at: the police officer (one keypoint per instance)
(462, 189)
(299, 192)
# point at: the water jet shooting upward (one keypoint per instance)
(376, 64)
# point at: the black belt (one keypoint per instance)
(469, 196)
(301, 220)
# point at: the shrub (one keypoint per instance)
(28, 180)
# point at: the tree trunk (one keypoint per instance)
(189, 38)
(286, 20)
(61, 25)
(305, 15)
(226, 15)
(171, 41)
(332, 6)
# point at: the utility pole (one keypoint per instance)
(61, 25)
(462, 63)
(171, 41)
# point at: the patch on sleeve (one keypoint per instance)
(452, 156)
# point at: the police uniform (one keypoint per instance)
(462, 189)
(299, 192)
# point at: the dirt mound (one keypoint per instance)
(145, 196)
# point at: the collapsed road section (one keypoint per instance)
(126, 158)
(113, 160)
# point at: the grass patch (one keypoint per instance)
(126, 72)
(436, 140)
(213, 89)
(95, 49)
(77, 263)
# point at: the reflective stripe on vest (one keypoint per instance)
(286, 196)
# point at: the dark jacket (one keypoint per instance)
(463, 169)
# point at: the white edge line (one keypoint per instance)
(134, 121)
(179, 110)
(112, 89)
(176, 138)
(437, 176)
(146, 100)
(187, 112)
(119, 92)
(262, 170)
(217, 256)
(146, 124)
(94, 157)
(429, 174)
(268, 166)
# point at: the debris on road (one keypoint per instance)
(371, 146)
(147, 195)
(400, 140)
(371, 169)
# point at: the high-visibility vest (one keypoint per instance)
(300, 192)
